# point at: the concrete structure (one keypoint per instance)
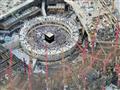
(58, 8)
(65, 33)
(67, 44)
(8, 7)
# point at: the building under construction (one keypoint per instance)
(59, 45)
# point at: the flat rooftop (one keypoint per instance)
(9, 6)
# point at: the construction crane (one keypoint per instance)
(89, 18)
(83, 16)
(79, 12)
(63, 69)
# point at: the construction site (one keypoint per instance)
(59, 45)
